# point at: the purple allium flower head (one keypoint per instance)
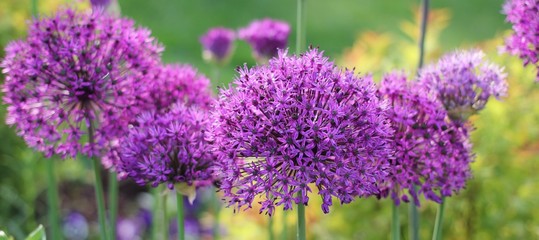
(168, 148)
(76, 71)
(430, 152)
(266, 37)
(464, 81)
(166, 85)
(299, 121)
(218, 44)
(100, 3)
(75, 226)
(524, 16)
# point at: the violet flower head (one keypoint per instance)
(464, 81)
(75, 78)
(266, 37)
(166, 85)
(430, 152)
(100, 3)
(524, 42)
(218, 44)
(299, 121)
(168, 148)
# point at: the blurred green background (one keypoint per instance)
(500, 202)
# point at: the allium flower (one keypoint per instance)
(299, 121)
(76, 73)
(266, 37)
(430, 152)
(100, 3)
(168, 148)
(524, 15)
(166, 85)
(218, 44)
(464, 81)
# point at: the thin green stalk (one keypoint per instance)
(217, 211)
(300, 32)
(52, 194)
(34, 8)
(271, 236)
(395, 223)
(164, 219)
(414, 220)
(284, 233)
(437, 234)
(181, 225)
(156, 214)
(113, 203)
(98, 186)
(301, 218)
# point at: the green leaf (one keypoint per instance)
(4, 236)
(37, 234)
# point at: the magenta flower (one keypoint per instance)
(266, 37)
(218, 44)
(76, 72)
(100, 3)
(163, 87)
(464, 81)
(430, 152)
(524, 43)
(299, 121)
(168, 148)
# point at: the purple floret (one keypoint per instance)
(463, 82)
(524, 42)
(168, 148)
(76, 71)
(266, 37)
(431, 153)
(296, 123)
(218, 43)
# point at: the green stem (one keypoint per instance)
(301, 218)
(34, 8)
(424, 20)
(52, 194)
(164, 219)
(181, 225)
(271, 236)
(395, 223)
(156, 228)
(98, 186)
(437, 234)
(217, 211)
(113, 203)
(300, 21)
(414, 219)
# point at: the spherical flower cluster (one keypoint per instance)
(464, 81)
(74, 80)
(168, 148)
(218, 44)
(171, 83)
(266, 37)
(431, 153)
(524, 16)
(295, 123)
(164, 86)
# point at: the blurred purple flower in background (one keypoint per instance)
(75, 226)
(430, 152)
(168, 148)
(218, 44)
(297, 121)
(524, 43)
(463, 82)
(266, 37)
(76, 71)
(100, 3)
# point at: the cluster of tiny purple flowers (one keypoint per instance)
(265, 36)
(431, 153)
(299, 121)
(524, 42)
(75, 78)
(168, 148)
(463, 82)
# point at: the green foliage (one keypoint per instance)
(37, 234)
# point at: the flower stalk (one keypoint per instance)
(301, 218)
(437, 234)
(180, 212)
(52, 194)
(113, 202)
(395, 223)
(98, 186)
